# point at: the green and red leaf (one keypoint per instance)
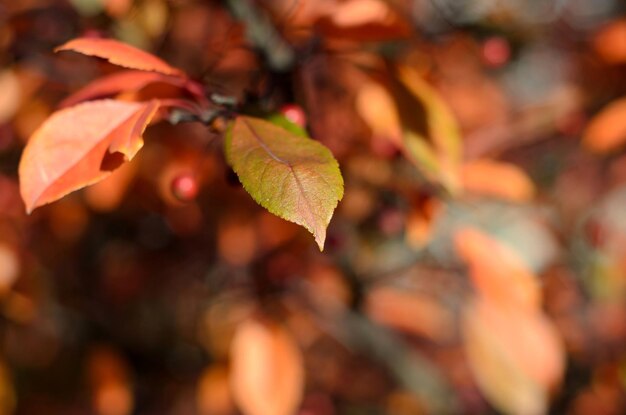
(293, 177)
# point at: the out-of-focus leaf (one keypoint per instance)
(79, 146)
(497, 272)
(610, 42)
(293, 177)
(126, 81)
(236, 240)
(607, 130)
(420, 222)
(359, 12)
(415, 313)
(117, 8)
(498, 179)
(363, 20)
(377, 107)
(515, 355)
(110, 384)
(9, 267)
(437, 149)
(153, 16)
(11, 96)
(267, 374)
(121, 54)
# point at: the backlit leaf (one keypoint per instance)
(79, 146)
(497, 272)
(438, 148)
(358, 12)
(122, 81)
(498, 179)
(293, 177)
(514, 354)
(610, 42)
(377, 107)
(415, 313)
(363, 20)
(267, 374)
(607, 130)
(120, 54)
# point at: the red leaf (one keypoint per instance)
(116, 83)
(120, 54)
(80, 146)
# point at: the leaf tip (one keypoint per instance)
(320, 242)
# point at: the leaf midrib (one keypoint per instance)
(278, 159)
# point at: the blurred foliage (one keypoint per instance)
(475, 264)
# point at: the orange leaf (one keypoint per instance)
(115, 83)
(359, 12)
(414, 313)
(494, 178)
(80, 146)
(610, 42)
(363, 20)
(378, 109)
(267, 375)
(120, 54)
(607, 130)
(498, 273)
(515, 355)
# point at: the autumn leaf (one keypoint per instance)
(377, 107)
(267, 373)
(498, 273)
(120, 54)
(514, 354)
(607, 130)
(498, 179)
(122, 81)
(363, 20)
(79, 146)
(610, 42)
(436, 149)
(414, 313)
(293, 177)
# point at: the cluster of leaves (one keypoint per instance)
(292, 176)
(474, 263)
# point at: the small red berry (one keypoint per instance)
(294, 113)
(185, 187)
(496, 51)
